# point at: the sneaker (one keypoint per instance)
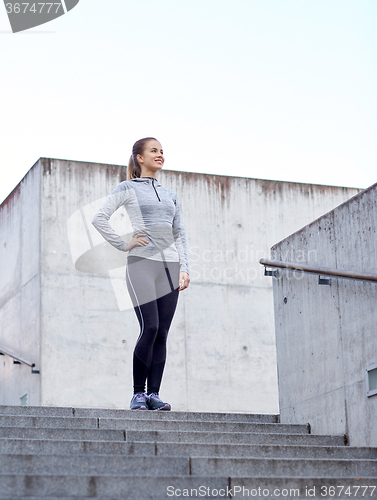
(154, 402)
(139, 401)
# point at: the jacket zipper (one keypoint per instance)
(162, 253)
(155, 190)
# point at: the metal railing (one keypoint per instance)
(326, 271)
(18, 360)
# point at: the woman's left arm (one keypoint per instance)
(179, 235)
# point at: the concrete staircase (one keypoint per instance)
(81, 453)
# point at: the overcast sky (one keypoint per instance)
(272, 89)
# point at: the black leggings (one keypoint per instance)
(153, 287)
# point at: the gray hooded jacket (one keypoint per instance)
(153, 210)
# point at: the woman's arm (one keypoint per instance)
(179, 235)
(101, 219)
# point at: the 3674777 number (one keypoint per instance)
(350, 491)
(37, 8)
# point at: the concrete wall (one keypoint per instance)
(85, 363)
(20, 289)
(326, 334)
(221, 346)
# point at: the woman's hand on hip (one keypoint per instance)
(137, 241)
(184, 280)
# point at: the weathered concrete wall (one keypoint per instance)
(221, 346)
(20, 289)
(85, 362)
(326, 334)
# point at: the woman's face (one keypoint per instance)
(152, 158)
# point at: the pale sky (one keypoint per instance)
(271, 89)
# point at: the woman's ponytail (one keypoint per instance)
(132, 172)
(134, 169)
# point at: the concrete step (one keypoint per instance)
(176, 466)
(188, 425)
(52, 411)
(82, 453)
(74, 447)
(157, 423)
(123, 488)
(170, 436)
(140, 448)
(67, 465)
(56, 433)
(288, 467)
(233, 438)
(264, 451)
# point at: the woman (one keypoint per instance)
(157, 263)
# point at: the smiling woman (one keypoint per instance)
(157, 266)
(145, 153)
